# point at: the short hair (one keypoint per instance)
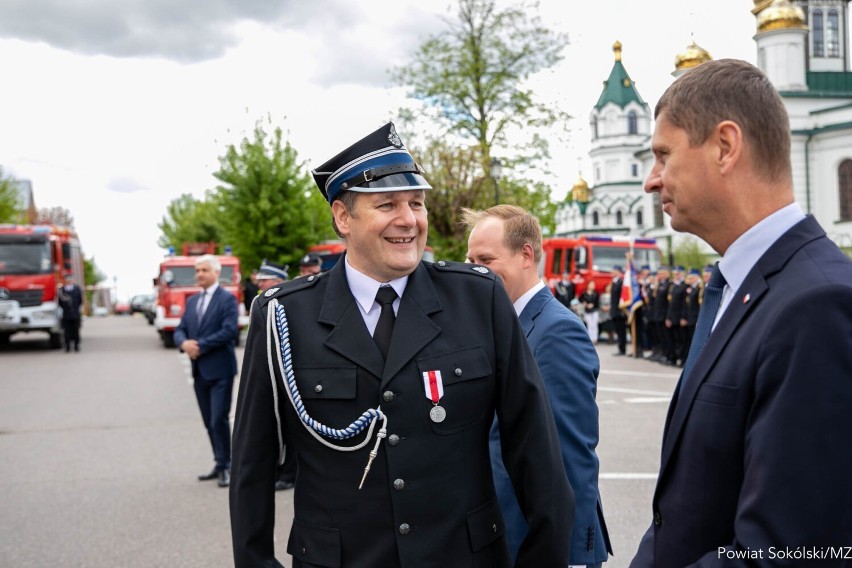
(211, 260)
(520, 227)
(730, 89)
(348, 199)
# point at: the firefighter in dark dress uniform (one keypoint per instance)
(392, 430)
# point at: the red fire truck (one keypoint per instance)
(589, 257)
(176, 283)
(34, 260)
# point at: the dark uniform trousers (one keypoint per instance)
(429, 499)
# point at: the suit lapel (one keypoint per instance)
(533, 309)
(744, 301)
(214, 299)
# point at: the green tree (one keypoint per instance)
(190, 220)
(470, 79)
(688, 253)
(10, 211)
(457, 182)
(93, 274)
(269, 205)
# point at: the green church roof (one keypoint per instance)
(619, 88)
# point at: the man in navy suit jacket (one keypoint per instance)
(507, 239)
(755, 457)
(207, 333)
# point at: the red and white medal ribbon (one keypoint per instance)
(433, 385)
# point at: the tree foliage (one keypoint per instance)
(55, 216)
(271, 208)
(190, 220)
(93, 274)
(471, 76)
(689, 254)
(10, 207)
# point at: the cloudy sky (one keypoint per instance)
(112, 108)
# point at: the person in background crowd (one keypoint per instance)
(755, 447)
(270, 275)
(250, 290)
(310, 264)
(676, 318)
(619, 317)
(207, 333)
(658, 320)
(564, 290)
(693, 304)
(71, 302)
(507, 239)
(427, 351)
(591, 304)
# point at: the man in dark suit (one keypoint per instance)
(676, 317)
(446, 351)
(619, 317)
(71, 300)
(564, 290)
(507, 239)
(755, 456)
(207, 333)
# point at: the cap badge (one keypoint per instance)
(480, 269)
(393, 137)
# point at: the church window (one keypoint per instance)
(619, 218)
(632, 123)
(817, 33)
(634, 170)
(640, 221)
(832, 35)
(845, 189)
(595, 127)
(596, 219)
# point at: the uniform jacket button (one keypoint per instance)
(458, 372)
(404, 528)
(393, 439)
(398, 484)
(318, 388)
(388, 396)
(658, 518)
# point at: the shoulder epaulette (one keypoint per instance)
(288, 288)
(464, 268)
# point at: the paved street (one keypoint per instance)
(99, 451)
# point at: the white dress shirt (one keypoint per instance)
(364, 289)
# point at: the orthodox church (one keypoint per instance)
(803, 47)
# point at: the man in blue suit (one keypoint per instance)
(207, 333)
(507, 239)
(755, 456)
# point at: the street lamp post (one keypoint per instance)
(496, 170)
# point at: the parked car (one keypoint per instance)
(139, 303)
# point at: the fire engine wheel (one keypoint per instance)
(55, 340)
(4, 338)
(169, 339)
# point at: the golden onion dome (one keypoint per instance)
(781, 15)
(759, 5)
(580, 191)
(694, 56)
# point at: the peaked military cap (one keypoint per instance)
(269, 270)
(679, 268)
(645, 267)
(379, 162)
(311, 259)
(617, 268)
(694, 272)
(708, 268)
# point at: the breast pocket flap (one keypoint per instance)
(458, 366)
(326, 382)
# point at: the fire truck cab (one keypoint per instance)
(588, 257)
(34, 260)
(176, 283)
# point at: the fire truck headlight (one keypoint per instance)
(174, 309)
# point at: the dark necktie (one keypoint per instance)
(706, 317)
(200, 308)
(384, 329)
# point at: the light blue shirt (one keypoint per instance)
(364, 289)
(744, 253)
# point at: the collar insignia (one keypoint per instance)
(480, 269)
(271, 291)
